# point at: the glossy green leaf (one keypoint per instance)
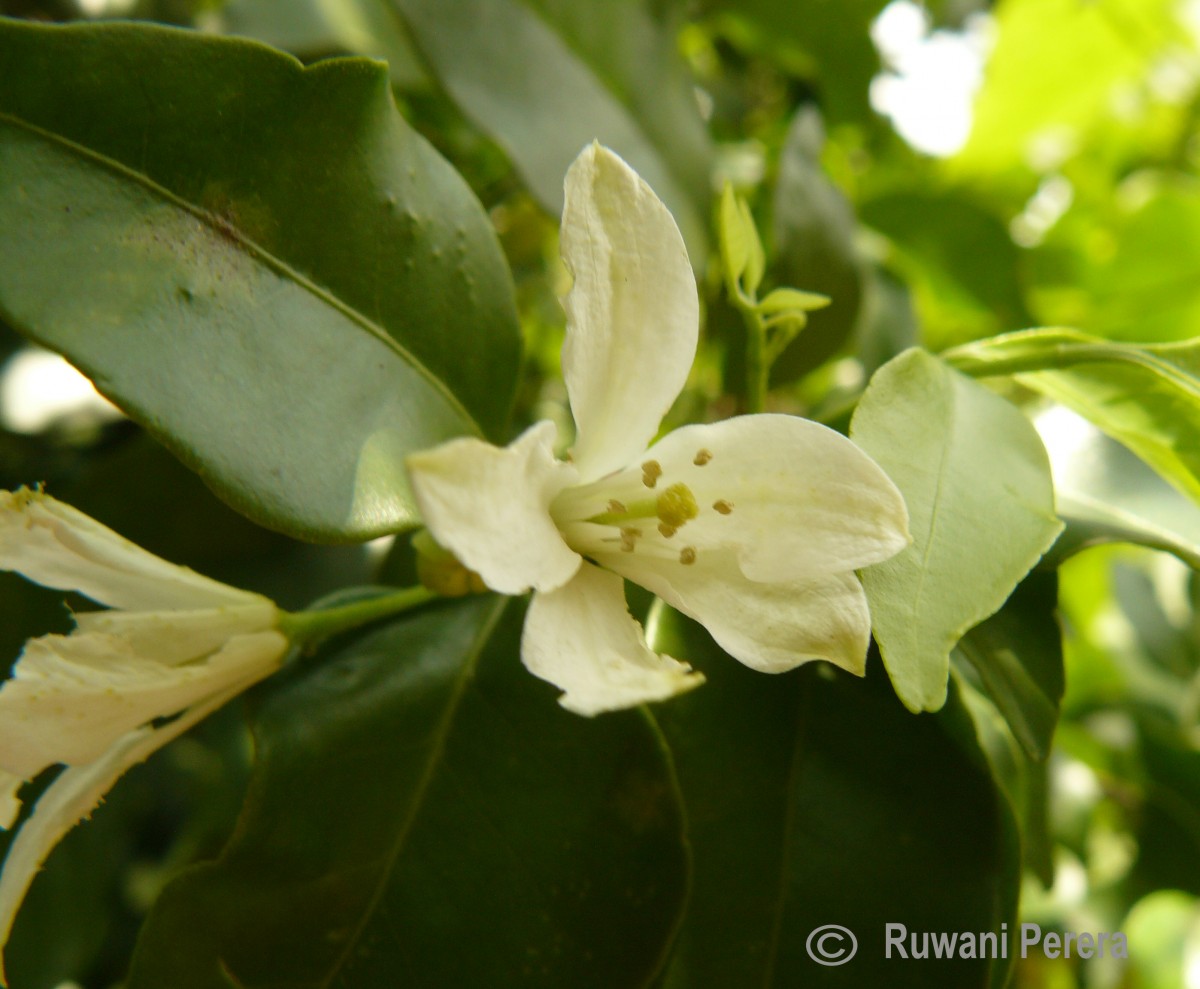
(313, 28)
(545, 78)
(1017, 655)
(814, 798)
(268, 269)
(981, 512)
(1148, 397)
(813, 237)
(423, 813)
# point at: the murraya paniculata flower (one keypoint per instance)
(175, 646)
(752, 526)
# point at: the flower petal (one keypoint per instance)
(10, 805)
(74, 794)
(794, 499)
(490, 507)
(583, 640)
(769, 627)
(58, 546)
(70, 696)
(174, 637)
(632, 312)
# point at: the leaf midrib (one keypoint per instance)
(441, 735)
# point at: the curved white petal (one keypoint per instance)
(632, 313)
(74, 794)
(490, 507)
(769, 627)
(58, 546)
(793, 499)
(10, 805)
(70, 696)
(173, 637)
(583, 640)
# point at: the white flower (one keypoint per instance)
(753, 526)
(177, 646)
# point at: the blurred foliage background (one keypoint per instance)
(945, 171)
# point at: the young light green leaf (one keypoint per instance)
(981, 513)
(1148, 397)
(756, 261)
(423, 813)
(792, 299)
(268, 268)
(731, 237)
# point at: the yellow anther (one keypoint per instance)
(651, 472)
(616, 507)
(676, 506)
(702, 457)
(629, 536)
(687, 555)
(667, 530)
(723, 506)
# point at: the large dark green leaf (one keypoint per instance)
(547, 77)
(959, 257)
(813, 235)
(817, 799)
(1017, 655)
(316, 28)
(980, 505)
(422, 813)
(265, 265)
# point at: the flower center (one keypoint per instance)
(671, 507)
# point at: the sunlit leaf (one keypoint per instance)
(1148, 397)
(981, 513)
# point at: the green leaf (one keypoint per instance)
(1017, 655)
(314, 28)
(732, 237)
(814, 798)
(792, 300)
(959, 258)
(267, 267)
(545, 78)
(423, 813)
(981, 513)
(813, 237)
(1106, 494)
(1147, 397)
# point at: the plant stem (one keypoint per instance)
(306, 627)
